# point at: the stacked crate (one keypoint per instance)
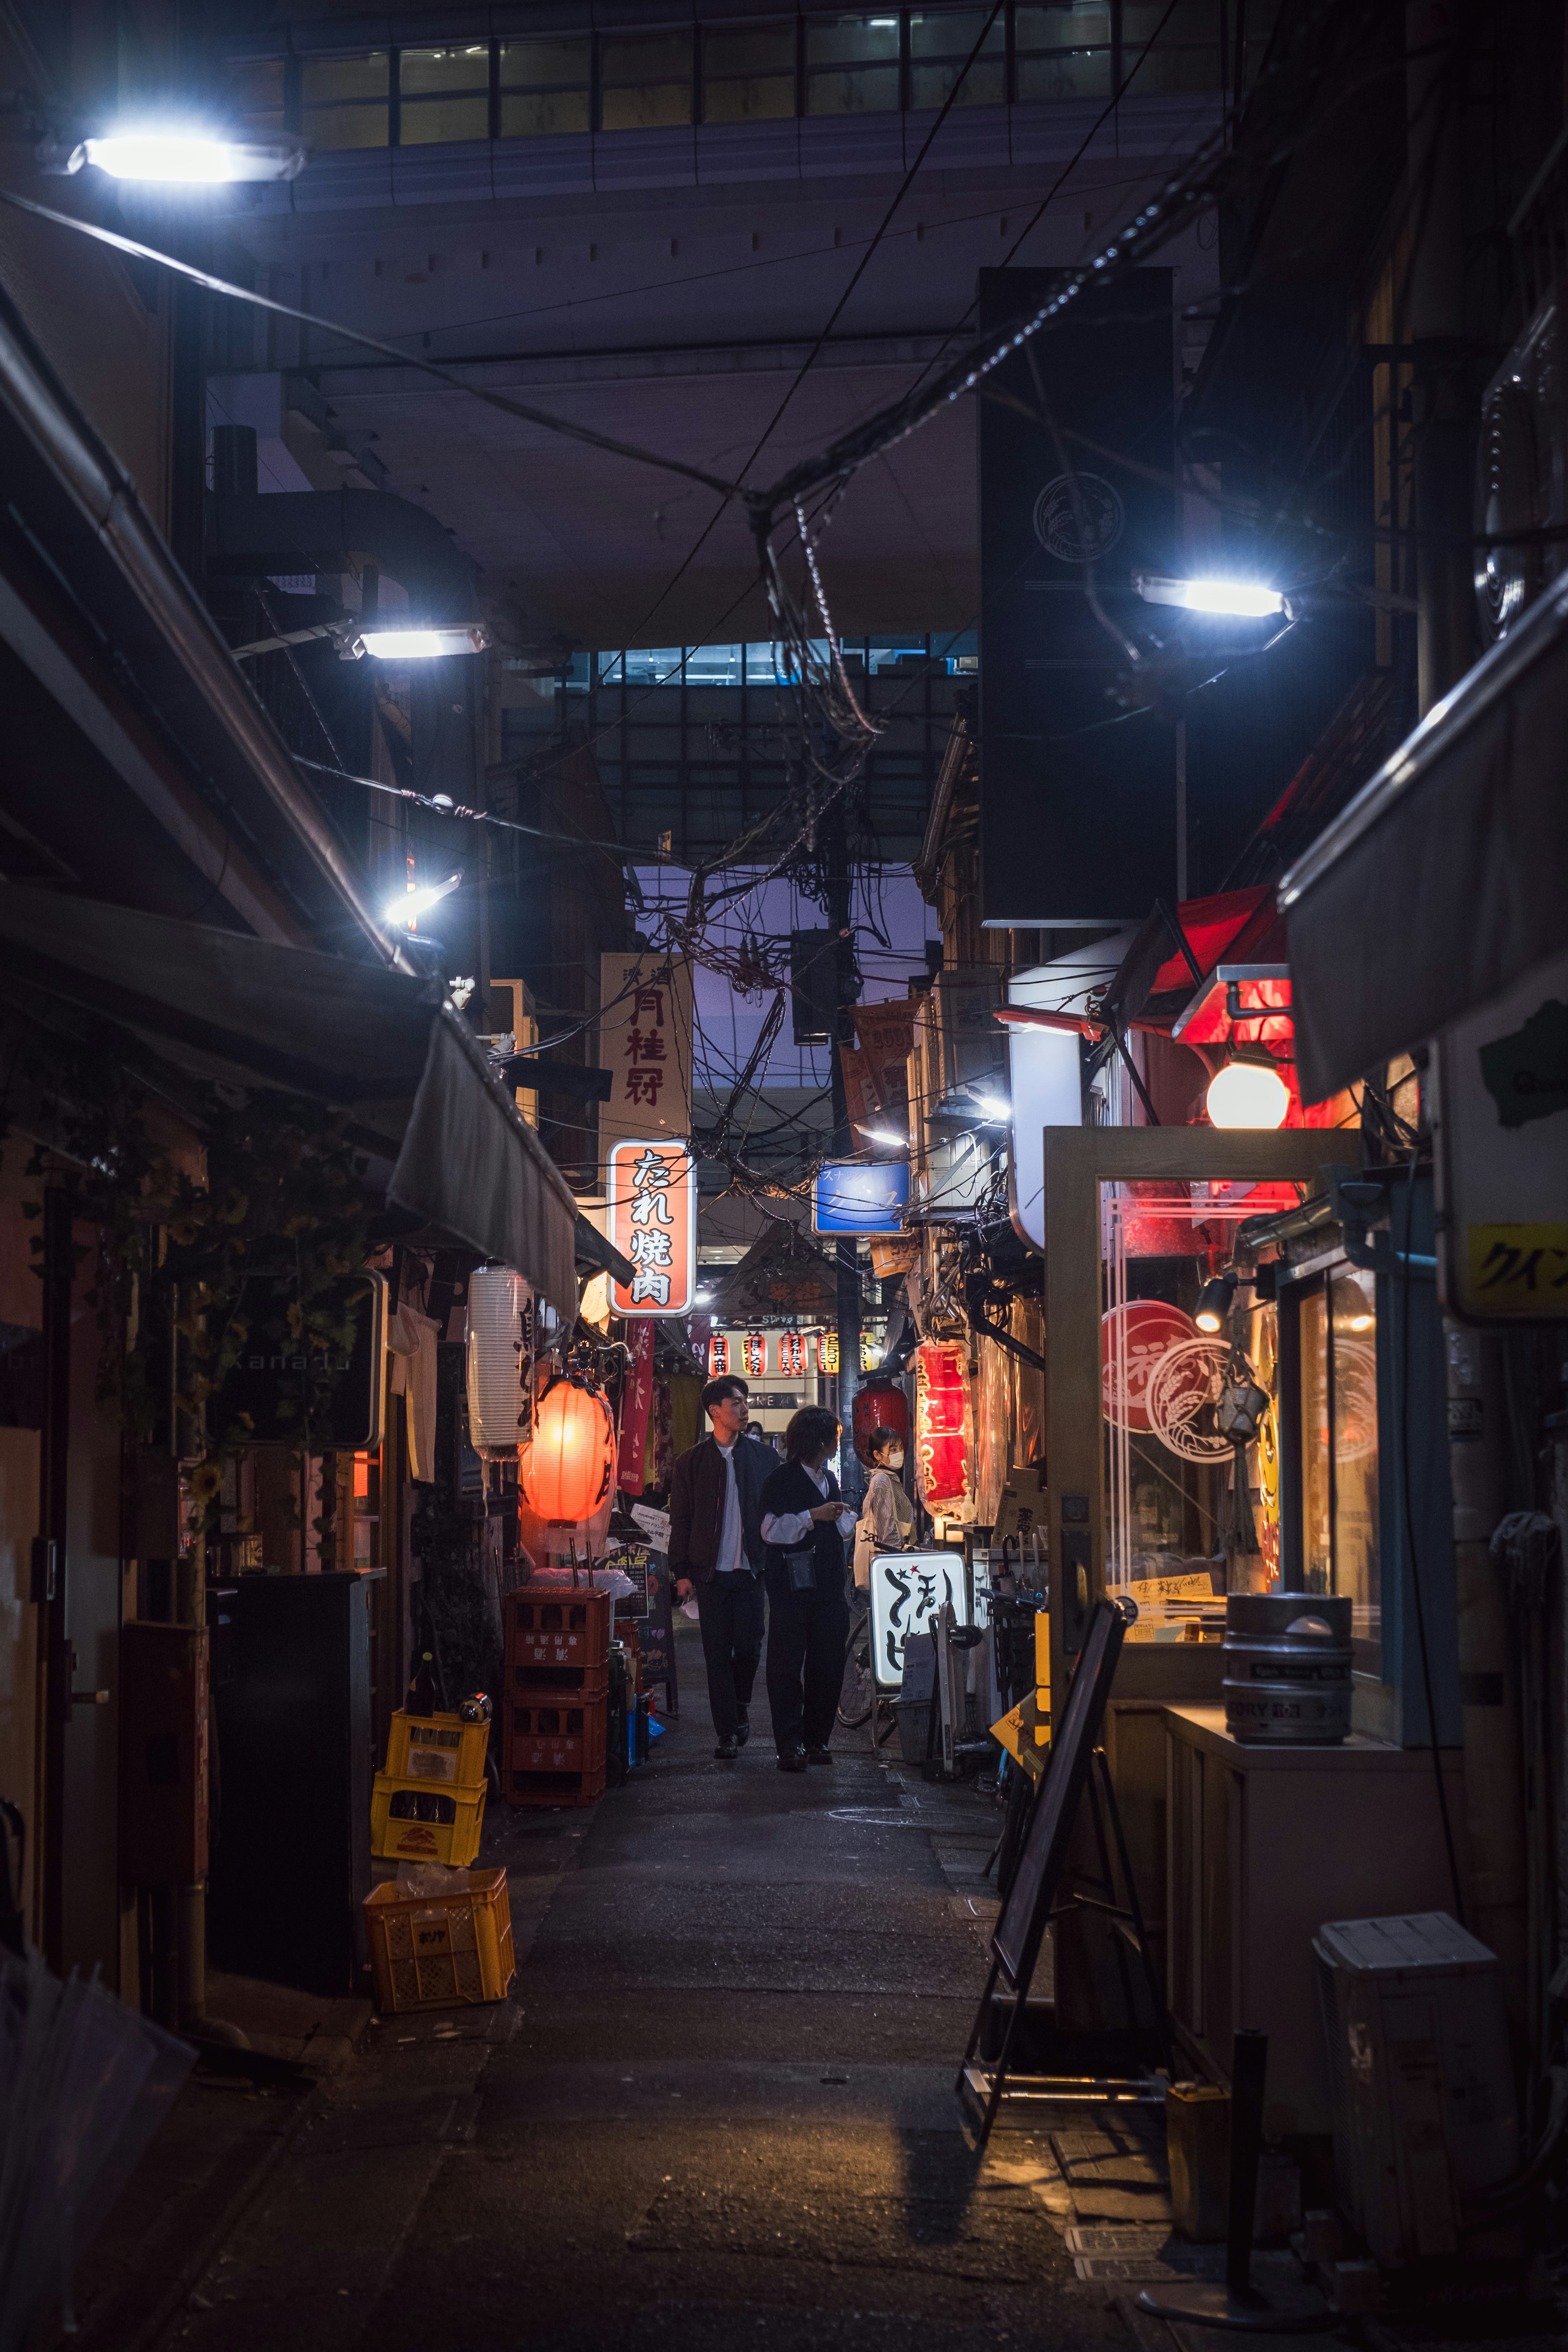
(557, 1695)
(429, 1803)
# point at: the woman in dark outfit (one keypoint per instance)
(803, 1527)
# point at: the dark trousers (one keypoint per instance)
(808, 1634)
(730, 1614)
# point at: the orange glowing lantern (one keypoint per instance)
(791, 1355)
(754, 1351)
(565, 1473)
(828, 1351)
(943, 1423)
(717, 1356)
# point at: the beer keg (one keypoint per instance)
(1288, 1668)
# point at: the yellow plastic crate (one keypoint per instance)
(440, 1951)
(441, 1749)
(410, 1821)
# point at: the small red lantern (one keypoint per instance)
(565, 1473)
(879, 1403)
(755, 1346)
(791, 1355)
(717, 1356)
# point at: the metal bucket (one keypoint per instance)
(1288, 1668)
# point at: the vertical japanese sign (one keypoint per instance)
(644, 1042)
(652, 1214)
(635, 1399)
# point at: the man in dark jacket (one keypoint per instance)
(716, 1546)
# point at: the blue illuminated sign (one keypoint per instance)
(851, 1197)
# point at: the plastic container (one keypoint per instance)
(440, 1750)
(443, 1951)
(411, 1821)
(1288, 1668)
(526, 1787)
(555, 1734)
(557, 1639)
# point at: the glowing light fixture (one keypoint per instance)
(883, 1135)
(176, 151)
(1244, 598)
(425, 645)
(1248, 1091)
(1213, 1303)
(417, 902)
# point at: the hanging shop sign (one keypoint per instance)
(792, 1356)
(287, 1388)
(909, 1591)
(636, 1403)
(754, 1354)
(828, 1351)
(652, 1215)
(644, 1042)
(852, 1197)
(717, 1356)
(943, 1430)
(1501, 1123)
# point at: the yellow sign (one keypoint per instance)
(1026, 1734)
(1518, 1270)
(1146, 1591)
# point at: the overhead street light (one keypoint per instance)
(178, 151)
(417, 902)
(882, 1135)
(426, 644)
(1244, 599)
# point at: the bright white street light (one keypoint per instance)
(425, 645)
(992, 1109)
(414, 903)
(154, 150)
(882, 1135)
(1244, 598)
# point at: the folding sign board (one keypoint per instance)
(652, 1216)
(850, 1197)
(908, 1591)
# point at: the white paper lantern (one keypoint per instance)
(499, 1299)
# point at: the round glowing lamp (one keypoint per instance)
(1249, 1092)
(565, 1473)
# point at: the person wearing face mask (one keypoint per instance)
(803, 1526)
(887, 1519)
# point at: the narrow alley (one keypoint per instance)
(720, 2099)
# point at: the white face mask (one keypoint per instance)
(894, 1458)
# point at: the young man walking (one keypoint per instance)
(716, 1546)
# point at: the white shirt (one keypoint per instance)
(794, 1526)
(729, 1558)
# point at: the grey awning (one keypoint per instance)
(372, 1041)
(1446, 877)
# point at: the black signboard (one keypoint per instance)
(649, 1607)
(295, 1385)
(1077, 799)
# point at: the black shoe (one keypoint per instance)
(727, 1750)
(793, 1761)
(744, 1730)
(819, 1756)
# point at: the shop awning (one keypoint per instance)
(378, 1042)
(1446, 878)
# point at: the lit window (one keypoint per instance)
(256, 85)
(941, 41)
(748, 72)
(1186, 55)
(645, 81)
(445, 94)
(345, 101)
(1063, 50)
(544, 88)
(852, 65)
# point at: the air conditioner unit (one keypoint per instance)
(1420, 2077)
(1521, 472)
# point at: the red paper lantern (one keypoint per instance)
(942, 1421)
(565, 1473)
(879, 1403)
(791, 1355)
(755, 1346)
(717, 1356)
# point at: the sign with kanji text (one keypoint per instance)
(717, 1356)
(1501, 1125)
(652, 1215)
(909, 1589)
(644, 1042)
(754, 1354)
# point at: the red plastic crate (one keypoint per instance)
(558, 1638)
(551, 1732)
(554, 1788)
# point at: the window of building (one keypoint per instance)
(444, 94)
(1063, 50)
(941, 42)
(345, 101)
(748, 72)
(257, 85)
(645, 81)
(1185, 51)
(545, 87)
(852, 65)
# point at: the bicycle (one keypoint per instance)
(859, 1698)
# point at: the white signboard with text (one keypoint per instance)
(909, 1589)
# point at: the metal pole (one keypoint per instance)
(1434, 330)
(836, 844)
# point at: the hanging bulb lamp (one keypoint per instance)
(1248, 1091)
(497, 1339)
(565, 1473)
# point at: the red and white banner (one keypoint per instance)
(754, 1351)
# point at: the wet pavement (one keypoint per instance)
(719, 2104)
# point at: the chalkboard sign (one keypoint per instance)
(650, 1606)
